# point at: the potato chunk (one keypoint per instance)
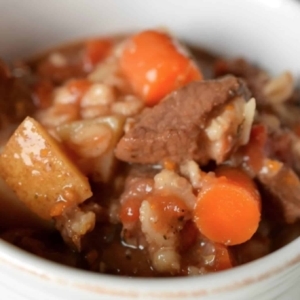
(40, 173)
(15, 214)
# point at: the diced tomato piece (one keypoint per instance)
(79, 87)
(96, 50)
(130, 211)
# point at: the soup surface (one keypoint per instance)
(141, 156)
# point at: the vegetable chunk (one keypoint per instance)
(155, 65)
(228, 211)
(39, 172)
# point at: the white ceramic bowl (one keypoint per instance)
(264, 31)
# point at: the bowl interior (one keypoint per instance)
(264, 31)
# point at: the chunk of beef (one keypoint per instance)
(175, 128)
(283, 143)
(255, 77)
(269, 158)
(283, 188)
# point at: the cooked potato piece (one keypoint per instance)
(93, 141)
(40, 173)
(11, 206)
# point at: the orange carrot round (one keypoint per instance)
(155, 66)
(228, 211)
(240, 178)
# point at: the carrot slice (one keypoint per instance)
(228, 211)
(155, 65)
(240, 178)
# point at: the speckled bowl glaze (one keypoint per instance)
(265, 31)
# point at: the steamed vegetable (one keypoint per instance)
(40, 173)
(155, 65)
(228, 210)
(11, 207)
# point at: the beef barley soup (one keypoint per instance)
(141, 156)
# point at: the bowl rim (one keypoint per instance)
(283, 259)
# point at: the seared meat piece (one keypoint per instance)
(268, 158)
(283, 141)
(180, 127)
(255, 77)
(283, 187)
